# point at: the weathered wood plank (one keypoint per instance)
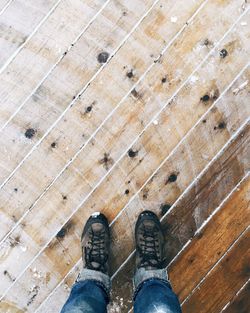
(73, 229)
(93, 170)
(190, 211)
(179, 226)
(23, 75)
(223, 281)
(19, 21)
(211, 242)
(67, 143)
(139, 53)
(4, 4)
(240, 302)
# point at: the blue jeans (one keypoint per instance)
(153, 293)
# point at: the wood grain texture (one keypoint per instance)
(87, 165)
(146, 107)
(18, 22)
(212, 242)
(42, 51)
(224, 280)
(194, 207)
(240, 302)
(180, 226)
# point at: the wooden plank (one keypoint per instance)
(223, 281)
(181, 223)
(4, 4)
(19, 21)
(240, 302)
(69, 143)
(58, 249)
(68, 134)
(38, 57)
(179, 226)
(211, 242)
(69, 76)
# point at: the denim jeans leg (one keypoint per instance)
(153, 293)
(90, 293)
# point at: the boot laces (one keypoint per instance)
(149, 248)
(95, 253)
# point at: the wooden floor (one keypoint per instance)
(120, 106)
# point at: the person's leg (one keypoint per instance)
(153, 293)
(90, 293)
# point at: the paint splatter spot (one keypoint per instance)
(126, 191)
(64, 230)
(53, 145)
(130, 74)
(30, 132)
(132, 153)
(223, 53)
(89, 109)
(204, 121)
(16, 189)
(103, 57)
(205, 98)
(107, 161)
(64, 197)
(164, 208)
(222, 125)
(135, 93)
(164, 79)
(172, 178)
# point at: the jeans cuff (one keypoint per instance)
(142, 275)
(98, 276)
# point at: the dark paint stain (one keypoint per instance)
(103, 57)
(34, 293)
(172, 178)
(132, 153)
(207, 42)
(126, 191)
(107, 161)
(14, 241)
(204, 121)
(165, 208)
(88, 109)
(53, 145)
(222, 125)
(64, 197)
(164, 79)
(145, 194)
(6, 273)
(130, 74)
(64, 230)
(30, 132)
(135, 93)
(205, 98)
(16, 189)
(223, 53)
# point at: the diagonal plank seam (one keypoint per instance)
(219, 260)
(91, 137)
(56, 63)
(12, 57)
(6, 6)
(138, 190)
(174, 205)
(80, 93)
(237, 293)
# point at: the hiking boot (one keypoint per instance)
(95, 243)
(149, 242)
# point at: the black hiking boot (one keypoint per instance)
(149, 242)
(95, 243)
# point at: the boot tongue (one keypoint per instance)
(97, 227)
